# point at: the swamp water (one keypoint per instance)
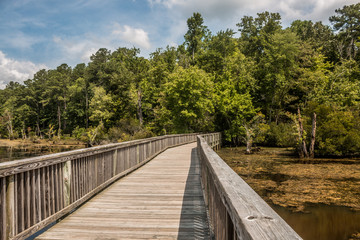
(8, 153)
(319, 199)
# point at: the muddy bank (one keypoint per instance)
(283, 180)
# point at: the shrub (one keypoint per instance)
(282, 135)
(79, 133)
(338, 133)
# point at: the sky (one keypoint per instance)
(43, 34)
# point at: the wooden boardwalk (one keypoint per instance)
(161, 200)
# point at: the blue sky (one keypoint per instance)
(37, 34)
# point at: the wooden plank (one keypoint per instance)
(34, 198)
(38, 198)
(10, 208)
(67, 183)
(45, 183)
(152, 199)
(3, 208)
(43, 194)
(252, 217)
(77, 203)
(27, 200)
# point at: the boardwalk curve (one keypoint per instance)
(161, 200)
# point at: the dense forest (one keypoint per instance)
(262, 87)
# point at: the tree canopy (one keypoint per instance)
(248, 85)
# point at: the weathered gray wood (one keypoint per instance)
(43, 194)
(3, 208)
(161, 200)
(40, 181)
(67, 182)
(12, 167)
(225, 191)
(10, 207)
(27, 200)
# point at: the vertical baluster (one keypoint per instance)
(21, 196)
(43, 192)
(90, 171)
(67, 183)
(38, 195)
(61, 185)
(53, 188)
(27, 199)
(33, 211)
(76, 181)
(86, 177)
(72, 186)
(3, 207)
(81, 177)
(10, 207)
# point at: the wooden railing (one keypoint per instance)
(36, 192)
(235, 210)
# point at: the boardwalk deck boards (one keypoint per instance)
(161, 200)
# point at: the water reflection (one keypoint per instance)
(322, 222)
(330, 186)
(21, 152)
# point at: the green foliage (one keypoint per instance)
(187, 100)
(210, 82)
(282, 135)
(195, 34)
(79, 133)
(347, 23)
(99, 105)
(338, 130)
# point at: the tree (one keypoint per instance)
(100, 106)
(347, 24)
(233, 106)
(187, 100)
(256, 31)
(255, 130)
(195, 34)
(219, 48)
(277, 73)
(319, 36)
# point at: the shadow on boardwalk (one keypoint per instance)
(193, 221)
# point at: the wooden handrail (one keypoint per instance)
(236, 211)
(36, 192)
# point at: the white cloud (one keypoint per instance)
(82, 47)
(228, 10)
(18, 39)
(17, 71)
(136, 36)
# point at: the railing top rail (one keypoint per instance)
(253, 218)
(54, 158)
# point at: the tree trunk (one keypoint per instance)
(86, 108)
(9, 124)
(249, 140)
(65, 107)
(302, 141)
(313, 135)
(59, 120)
(139, 107)
(351, 48)
(37, 130)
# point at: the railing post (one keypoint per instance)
(67, 182)
(137, 154)
(114, 161)
(10, 208)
